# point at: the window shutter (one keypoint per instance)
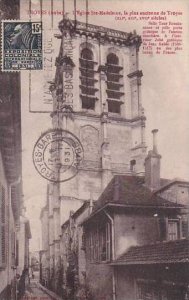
(162, 229)
(184, 228)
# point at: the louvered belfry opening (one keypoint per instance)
(87, 79)
(114, 85)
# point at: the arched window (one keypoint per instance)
(87, 54)
(132, 164)
(87, 79)
(114, 85)
(112, 59)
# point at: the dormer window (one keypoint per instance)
(173, 229)
(114, 86)
(87, 79)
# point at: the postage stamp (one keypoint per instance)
(57, 155)
(21, 45)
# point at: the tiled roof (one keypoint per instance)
(160, 253)
(130, 190)
(78, 212)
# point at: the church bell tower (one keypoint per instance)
(96, 97)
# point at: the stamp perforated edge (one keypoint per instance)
(2, 44)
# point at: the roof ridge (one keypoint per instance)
(162, 252)
(154, 244)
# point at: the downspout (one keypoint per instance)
(113, 253)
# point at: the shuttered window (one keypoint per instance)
(173, 229)
(87, 79)
(162, 229)
(184, 224)
(2, 226)
(99, 244)
(114, 85)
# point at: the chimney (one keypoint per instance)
(91, 204)
(152, 165)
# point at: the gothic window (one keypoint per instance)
(87, 79)
(2, 226)
(112, 59)
(87, 54)
(114, 85)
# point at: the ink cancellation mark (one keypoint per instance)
(21, 45)
(57, 155)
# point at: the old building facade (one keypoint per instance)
(14, 226)
(113, 205)
(137, 238)
(97, 97)
(132, 243)
(11, 199)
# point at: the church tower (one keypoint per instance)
(96, 96)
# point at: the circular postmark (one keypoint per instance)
(57, 155)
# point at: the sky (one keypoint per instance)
(165, 90)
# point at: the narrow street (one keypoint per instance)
(35, 291)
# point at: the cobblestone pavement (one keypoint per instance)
(34, 292)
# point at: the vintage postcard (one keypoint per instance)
(94, 139)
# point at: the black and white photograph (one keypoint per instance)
(94, 140)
